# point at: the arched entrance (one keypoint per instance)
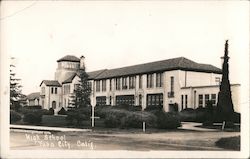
(54, 104)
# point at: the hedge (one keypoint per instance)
(32, 118)
(113, 118)
(168, 120)
(14, 117)
(135, 120)
(33, 107)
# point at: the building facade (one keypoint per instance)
(170, 83)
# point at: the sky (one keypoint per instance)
(112, 34)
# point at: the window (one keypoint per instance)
(155, 99)
(43, 90)
(124, 83)
(150, 80)
(110, 100)
(171, 84)
(125, 100)
(54, 104)
(140, 81)
(182, 102)
(213, 99)
(101, 100)
(66, 89)
(200, 100)
(159, 80)
(117, 84)
(98, 87)
(104, 85)
(140, 100)
(131, 82)
(52, 90)
(76, 86)
(110, 84)
(56, 90)
(186, 101)
(206, 98)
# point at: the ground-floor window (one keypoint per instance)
(140, 100)
(213, 99)
(186, 101)
(200, 100)
(101, 100)
(125, 100)
(54, 104)
(182, 102)
(206, 99)
(155, 99)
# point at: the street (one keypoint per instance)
(133, 140)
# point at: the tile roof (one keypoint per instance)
(179, 63)
(70, 58)
(32, 96)
(51, 83)
(92, 75)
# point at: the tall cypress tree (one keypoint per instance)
(83, 91)
(225, 105)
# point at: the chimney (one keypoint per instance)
(82, 62)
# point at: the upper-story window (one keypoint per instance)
(172, 84)
(159, 80)
(98, 86)
(55, 90)
(131, 82)
(52, 90)
(43, 90)
(124, 83)
(140, 81)
(66, 89)
(150, 80)
(104, 85)
(76, 86)
(110, 84)
(117, 84)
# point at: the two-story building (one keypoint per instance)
(177, 81)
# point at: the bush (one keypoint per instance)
(135, 120)
(14, 116)
(32, 118)
(229, 143)
(187, 114)
(75, 116)
(62, 111)
(168, 120)
(51, 111)
(202, 115)
(113, 118)
(152, 108)
(33, 107)
(101, 111)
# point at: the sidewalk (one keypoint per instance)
(192, 126)
(46, 128)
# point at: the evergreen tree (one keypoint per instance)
(83, 91)
(15, 89)
(225, 105)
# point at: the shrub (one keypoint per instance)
(135, 120)
(51, 111)
(236, 117)
(101, 111)
(75, 116)
(229, 143)
(187, 114)
(168, 120)
(152, 108)
(33, 107)
(113, 118)
(32, 118)
(14, 117)
(202, 115)
(62, 111)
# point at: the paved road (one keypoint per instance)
(114, 140)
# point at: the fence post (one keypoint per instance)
(93, 117)
(144, 126)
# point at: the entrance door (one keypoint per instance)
(54, 104)
(173, 107)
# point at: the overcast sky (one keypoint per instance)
(115, 34)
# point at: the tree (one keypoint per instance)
(15, 89)
(225, 105)
(83, 91)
